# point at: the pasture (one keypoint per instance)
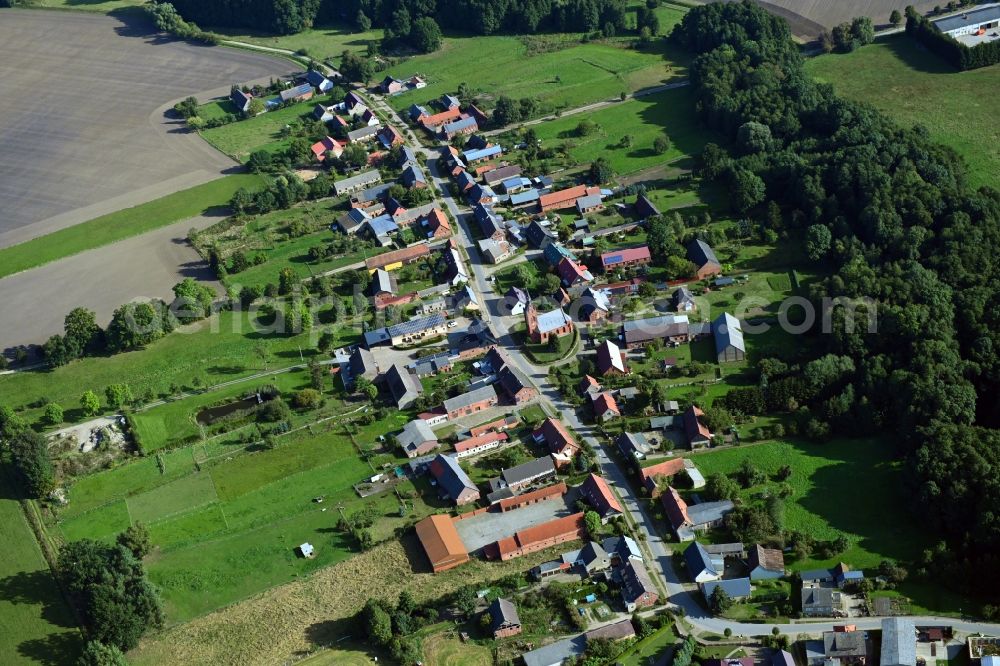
(263, 132)
(320, 42)
(669, 113)
(36, 625)
(226, 527)
(913, 86)
(846, 486)
(558, 70)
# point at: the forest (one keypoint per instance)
(887, 215)
(472, 16)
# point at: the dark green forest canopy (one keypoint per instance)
(904, 229)
(473, 16)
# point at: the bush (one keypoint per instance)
(307, 399)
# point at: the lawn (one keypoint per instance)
(228, 527)
(847, 486)
(38, 626)
(445, 649)
(123, 224)
(650, 648)
(263, 132)
(225, 347)
(914, 86)
(669, 113)
(558, 70)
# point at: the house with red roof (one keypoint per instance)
(625, 258)
(605, 407)
(667, 468)
(561, 444)
(572, 273)
(479, 444)
(433, 123)
(566, 198)
(589, 386)
(538, 537)
(436, 224)
(599, 495)
(324, 146)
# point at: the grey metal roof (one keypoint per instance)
(736, 588)
(968, 19)
(460, 124)
(383, 282)
(403, 385)
(414, 433)
(634, 443)
(556, 653)
(362, 132)
(482, 153)
(365, 178)
(470, 398)
(817, 597)
(503, 173)
(708, 512)
(418, 325)
(641, 330)
(727, 332)
(849, 644)
(524, 197)
(503, 612)
(531, 469)
(636, 581)
(550, 321)
(899, 642)
(588, 201)
(413, 175)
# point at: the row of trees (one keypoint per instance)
(955, 52)
(902, 229)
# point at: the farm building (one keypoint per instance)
(358, 182)
(899, 642)
(633, 445)
(599, 495)
(765, 563)
(626, 258)
(669, 328)
(403, 385)
(441, 542)
(972, 27)
(698, 435)
(594, 305)
(478, 444)
(701, 566)
(728, 334)
(390, 261)
(525, 473)
(703, 257)
(417, 439)
(538, 537)
(610, 359)
(471, 402)
(453, 481)
(504, 620)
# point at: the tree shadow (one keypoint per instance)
(37, 587)
(54, 649)
(916, 57)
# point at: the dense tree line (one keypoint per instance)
(901, 228)
(955, 52)
(400, 17)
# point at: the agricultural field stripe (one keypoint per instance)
(123, 224)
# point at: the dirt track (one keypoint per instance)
(81, 116)
(36, 301)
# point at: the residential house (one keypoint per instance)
(324, 146)
(561, 444)
(391, 85)
(453, 481)
(417, 439)
(701, 566)
(610, 359)
(389, 136)
(455, 268)
(241, 100)
(404, 386)
(633, 445)
(541, 327)
(433, 123)
(621, 549)
(703, 257)
(480, 194)
(556, 252)
(617, 631)
(464, 125)
(413, 176)
(687, 519)
(362, 363)
(562, 199)
(673, 329)
(319, 81)
(490, 223)
(605, 407)
(698, 435)
(504, 620)
(465, 181)
(728, 334)
(475, 142)
(594, 305)
(625, 258)
(782, 658)
(638, 590)
(357, 182)
(538, 537)
(300, 93)
(653, 475)
(847, 647)
(516, 300)
(766, 563)
(324, 113)
(572, 273)
(737, 589)
(449, 102)
(682, 300)
(380, 229)
(600, 496)
(516, 385)
(899, 642)
(441, 542)
(843, 575)
(494, 251)
(591, 203)
(539, 235)
(435, 224)
(371, 199)
(645, 208)
(351, 101)
(822, 602)
(363, 134)
(473, 446)
(471, 402)
(516, 184)
(590, 559)
(482, 154)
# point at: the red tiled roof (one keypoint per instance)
(405, 254)
(599, 494)
(628, 254)
(323, 145)
(562, 198)
(481, 440)
(604, 402)
(558, 490)
(666, 468)
(556, 435)
(570, 271)
(550, 530)
(441, 541)
(675, 507)
(440, 118)
(436, 219)
(693, 425)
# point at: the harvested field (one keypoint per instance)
(92, 136)
(808, 17)
(311, 613)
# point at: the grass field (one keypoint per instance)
(914, 86)
(445, 649)
(222, 348)
(848, 486)
(263, 132)
(670, 113)
(123, 224)
(320, 42)
(36, 625)
(227, 528)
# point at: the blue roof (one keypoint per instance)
(524, 197)
(465, 179)
(315, 78)
(382, 225)
(451, 476)
(698, 560)
(481, 192)
(736, 588)
(482, 154)
(412, 175)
